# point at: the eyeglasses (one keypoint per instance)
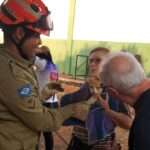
(94, 60)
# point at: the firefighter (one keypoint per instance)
(22, 115)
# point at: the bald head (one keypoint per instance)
(122, 71)
(121, 64)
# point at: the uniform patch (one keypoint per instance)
(25, 90)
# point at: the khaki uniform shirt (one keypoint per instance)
(22, 115)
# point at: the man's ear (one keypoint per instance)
(19, 33)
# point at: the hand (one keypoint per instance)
(103, 102)
(94, 84)
(113, 92)
(51, 89)
(122, 97)
(47, 93)
(55, 85)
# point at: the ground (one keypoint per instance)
(65, 132)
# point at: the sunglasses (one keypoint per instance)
(95, 60)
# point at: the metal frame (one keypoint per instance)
(77, 67)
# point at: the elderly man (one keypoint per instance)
(125, 79)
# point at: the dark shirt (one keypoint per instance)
(81, 95)
(139, 138)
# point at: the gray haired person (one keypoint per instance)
(124, 78)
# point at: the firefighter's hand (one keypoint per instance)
(51, 89)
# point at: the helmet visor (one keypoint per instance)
(44, 25)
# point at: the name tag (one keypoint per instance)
(25, 91)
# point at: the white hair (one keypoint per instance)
(131, 74)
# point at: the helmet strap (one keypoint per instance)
(20, 43)
(19, 46)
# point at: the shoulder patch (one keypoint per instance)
(25, 90)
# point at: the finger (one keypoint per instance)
(107, 97)
(112, 92)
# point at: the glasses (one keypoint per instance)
(94, 60)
